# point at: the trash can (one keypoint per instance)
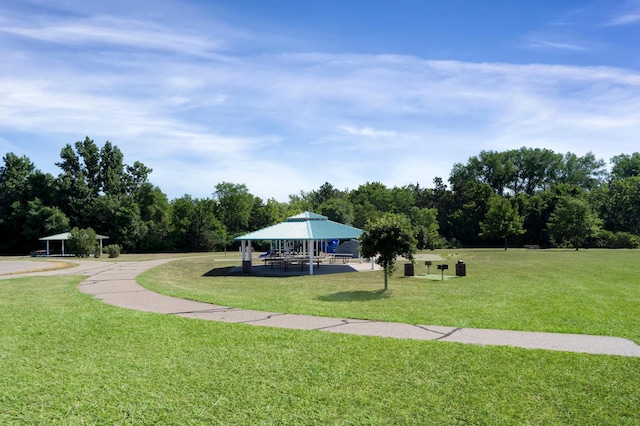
(408, 270)
(246, 266)
(461, 269)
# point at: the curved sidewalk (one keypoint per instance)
(115, 284)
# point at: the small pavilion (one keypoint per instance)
(304, 236)
(65, 236)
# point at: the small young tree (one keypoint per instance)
(82, 242)
(573, 221)
(502, 220)
(388, 237)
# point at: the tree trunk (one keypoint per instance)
(505, 243)
(385, 278)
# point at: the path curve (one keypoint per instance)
(115, 283)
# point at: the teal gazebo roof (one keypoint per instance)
(304, 226)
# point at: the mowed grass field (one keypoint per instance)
(567, 291)
(66, 358)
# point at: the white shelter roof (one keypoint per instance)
(65, 236)
(304, 226)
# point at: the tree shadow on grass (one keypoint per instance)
(355, 296)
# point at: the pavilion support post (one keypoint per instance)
(47, 247)
(311, 244)
(246, 257)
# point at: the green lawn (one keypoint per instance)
(66, 358)
(587, 291)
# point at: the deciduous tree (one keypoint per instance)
(573, 221)
(502, 220)
(387, 238)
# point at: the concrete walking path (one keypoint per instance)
(115, 284)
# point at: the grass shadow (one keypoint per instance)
(234, 271)
(355, 296)
(219, 272)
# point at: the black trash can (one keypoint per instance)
(408, 270)
(246, 266)
(461, 269)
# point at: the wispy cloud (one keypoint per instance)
(537, 43)
(287, 122)
(628, 15)
(113, 31)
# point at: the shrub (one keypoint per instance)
(608, 239)
(82, 242)
(113, 250)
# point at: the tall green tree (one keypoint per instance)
(387, 238)
(20, 183)
(425, 223)
(195, 226)
(585, 172)
(573, 221)
(502, 220)
(338, 210)
(41, 221)
(155, 211)
(234, 205)
(622, 205)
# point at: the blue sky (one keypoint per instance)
(284, 95)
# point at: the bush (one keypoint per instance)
(113, 250)
(82, 242)
(608, 239)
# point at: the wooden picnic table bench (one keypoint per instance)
(333, 257)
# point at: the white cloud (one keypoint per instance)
(113, 31)
(282, 123)
(630, 14)
(554, 45)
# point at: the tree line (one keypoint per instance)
(515, 197)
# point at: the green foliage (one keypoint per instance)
(41, 221)
(387, 238)
(615, 240)
(195, 226)
(425, 222)
(113, 250)
(573, 221)
(502, 220)
(338, 210)
(82, 242)
(234, 206)
(622, 205)
(625, 166)
(97, 189)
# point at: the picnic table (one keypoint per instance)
(334, 257)
(290, 259)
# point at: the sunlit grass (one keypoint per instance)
(66, 359)
(586, 292)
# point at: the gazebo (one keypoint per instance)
(65, 237)
(306, 233)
